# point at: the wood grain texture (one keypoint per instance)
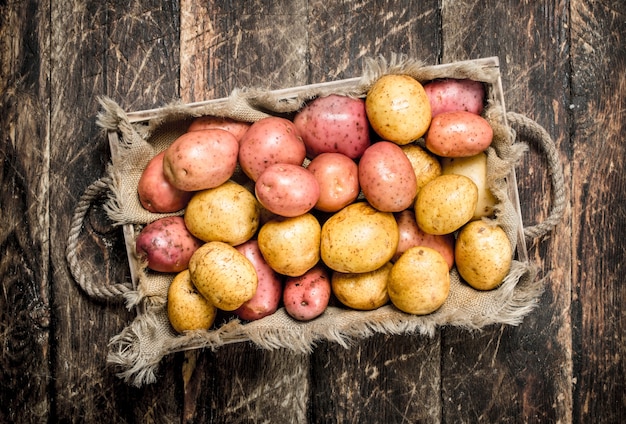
(562, 64)
(343, 34)
(598, 212)
(383, 379)
(121, 50)
(25, 316)
(229, 45)
(508, 374)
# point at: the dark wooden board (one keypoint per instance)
(25, 315)
(598, 55)
(562, 64)
(128, 51)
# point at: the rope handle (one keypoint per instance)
(105, 292)
(527, 129)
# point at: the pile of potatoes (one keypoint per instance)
(362, 201)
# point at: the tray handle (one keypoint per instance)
(105, 292)
(527, 129)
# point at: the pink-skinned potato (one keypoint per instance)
(334, 124)
(306, 297)
(269, 289)
(387, 177)
(198, 160)
(287, 190)
(458, 134)
(270, 141)
(236, 128)
(156, 193)
(450, 95)
(166, 244)
(411, 235)
(338, 179)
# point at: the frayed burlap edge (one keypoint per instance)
(138, 349)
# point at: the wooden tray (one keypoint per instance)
(494, 91)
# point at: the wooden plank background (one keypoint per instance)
(563, 65)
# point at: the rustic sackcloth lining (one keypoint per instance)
(139, 348)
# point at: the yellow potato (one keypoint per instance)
(419, 282)
(475, 168)
(291, 246)
(187, 309)
(227, 213)
(362, 291)
(425, 164)
(359, 238)
(483, 255)
(445, 204)
(398, 108)
(223, 275)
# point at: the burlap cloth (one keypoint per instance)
(138, 349)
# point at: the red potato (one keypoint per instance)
(387, 177)
(287, 190)
(269, 141)
(450, 95)
(236, 128)
(458, 134)
(156, 193)
(202, 159)
(269, 289)
(411, 235)
(166, 244)
(338, 178)
(334, 124)
(306, 297)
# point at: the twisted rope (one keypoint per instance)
(112, 292)
(530, 130)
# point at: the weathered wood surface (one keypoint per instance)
(562, 64)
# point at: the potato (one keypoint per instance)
(269, 141)
(338, 178)
(291, 246)
(236, 128)
(398, 109)
(287, 190)
(156, 193)
(358, 238)
(445, 204)
(450, 95)
(227, 213)
(458, 134)
(187, 309)
(419, 282)
(306, 297)
(201, 159)
(411, 235)
(425, 165)
(223, 275)
(269, 289)
(166, 244)
(483, 254)
(334, 124)
(364, 291)
(387, 178)
(475, 168)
